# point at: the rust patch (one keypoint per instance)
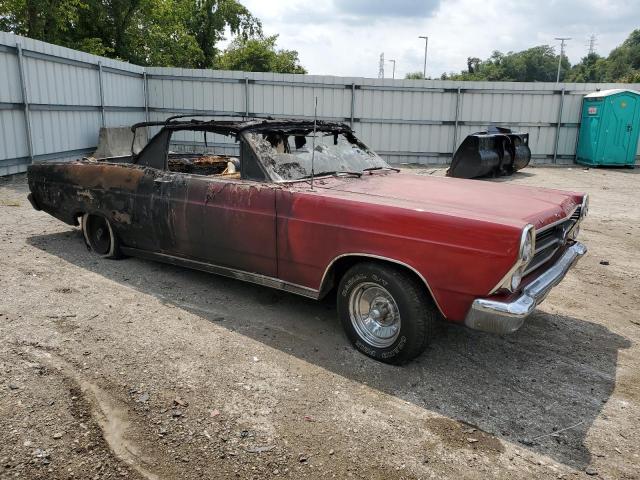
(105, 176)
(121, 217)
(86, 194)
(211, 193)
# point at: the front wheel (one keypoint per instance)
(99, 236)
(386, 312)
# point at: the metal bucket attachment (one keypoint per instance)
(496, 152)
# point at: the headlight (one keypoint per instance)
(584, 209)
(513, 278)
(527, 246)
(527, 250)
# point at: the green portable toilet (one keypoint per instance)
(609, 128)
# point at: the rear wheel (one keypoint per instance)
(99, 236)
(386, 312)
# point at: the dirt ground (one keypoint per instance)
(134, 369)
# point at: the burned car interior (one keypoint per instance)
(264, 149)
(191, 147)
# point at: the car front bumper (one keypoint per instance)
(508, 316)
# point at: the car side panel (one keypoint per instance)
(65, 190)
(457, 263)
(235, 223)
(226, 222)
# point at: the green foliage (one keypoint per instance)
(537, 64)
(414, 76)
(169, 33)
(94, 46)
(540, 64)
(592, 68)
(42, 19)
(259, 54)
(210, 19)
(623, 63)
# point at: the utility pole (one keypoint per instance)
(393, 74)
(381, 66)
(562, 40)
(426, 44)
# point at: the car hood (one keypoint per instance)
(483, 200)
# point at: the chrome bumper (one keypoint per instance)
(507, 317)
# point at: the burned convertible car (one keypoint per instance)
(400, 251)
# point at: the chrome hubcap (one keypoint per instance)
(374, 314)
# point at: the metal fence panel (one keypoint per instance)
(9, 76)
(67, 94)
(122, 90)
(53, 83)
(61, 131)
(13, 138)
(70, 94)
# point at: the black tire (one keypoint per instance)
(99, 236)
(418, 316)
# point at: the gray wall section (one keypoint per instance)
(70, 94)
(62, 100)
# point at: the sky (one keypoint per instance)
(346, 37)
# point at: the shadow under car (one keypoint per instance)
(556, 372)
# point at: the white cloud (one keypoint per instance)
(346, 37)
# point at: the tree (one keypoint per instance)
(161, 36)
(209, 20)
(259, 54)
(537, 64)
(540, 64)
(182, 33)
(473, 63)
(46, 20)
(623, 63)
(414, 76)
(592, 68)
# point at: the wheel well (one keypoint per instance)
(77, 218)
(340, 266)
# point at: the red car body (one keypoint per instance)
(460, 236)
(463, 239)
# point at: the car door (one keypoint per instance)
(220, 220)
(238, 224)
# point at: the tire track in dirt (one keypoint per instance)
(111, 418)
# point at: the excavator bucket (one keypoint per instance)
(495, 152)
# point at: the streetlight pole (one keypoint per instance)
(426, 44)
(393, 74)
(562, 40)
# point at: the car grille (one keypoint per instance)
(550, 239)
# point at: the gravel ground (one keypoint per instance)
(134, 369)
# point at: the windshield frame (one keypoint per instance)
(305, 128)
